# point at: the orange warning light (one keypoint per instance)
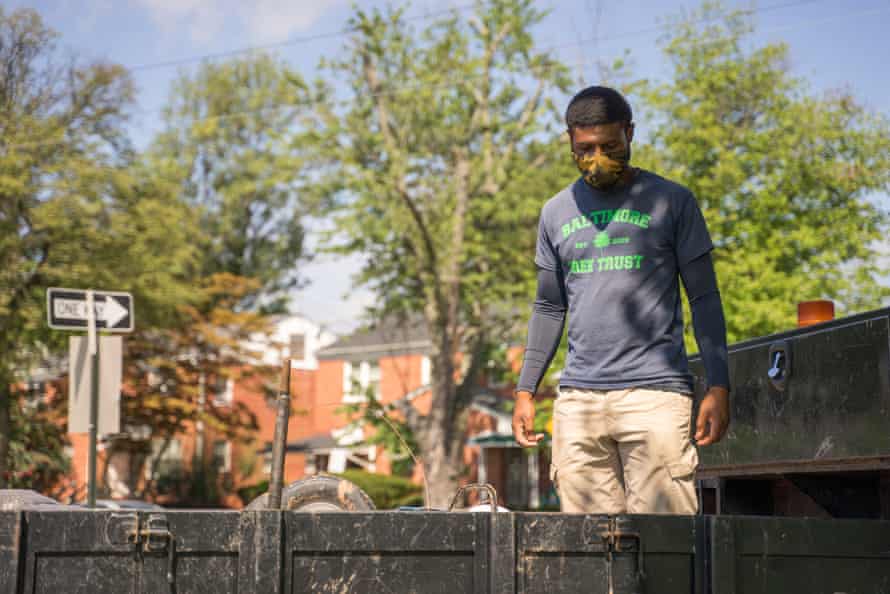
(814, 312)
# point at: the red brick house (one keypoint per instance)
(391, 360)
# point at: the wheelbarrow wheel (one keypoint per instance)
(319, 494)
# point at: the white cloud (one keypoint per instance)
(260, 21)
(203, 19)
(271, 21)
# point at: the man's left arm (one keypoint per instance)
(709, 326)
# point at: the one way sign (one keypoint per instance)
(66, 309)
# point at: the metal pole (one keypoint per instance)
(93, 348)
(279, 445)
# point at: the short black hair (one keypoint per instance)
(597, 105)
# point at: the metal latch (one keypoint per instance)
(779, 370)
(155, 536)
(616, 537)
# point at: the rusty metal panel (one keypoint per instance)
(829, 403)
(601, 554)
(410, 552)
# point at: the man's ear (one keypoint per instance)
(629, 132)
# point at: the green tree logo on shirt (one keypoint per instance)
(602, 240)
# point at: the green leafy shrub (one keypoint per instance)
(387, 492)
(251, 492)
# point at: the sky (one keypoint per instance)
(832, 45)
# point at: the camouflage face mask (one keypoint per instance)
(600, 170)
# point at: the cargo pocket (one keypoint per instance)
(684, 468)
(681, 471)
(682, 475)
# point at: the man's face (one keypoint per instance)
(612, 140)
(602, 152)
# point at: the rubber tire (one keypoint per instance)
(319, 494)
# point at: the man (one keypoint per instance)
(611, 250)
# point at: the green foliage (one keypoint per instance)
(389, 429)
(387, 492)
(78, 208)
(63, 155)
(783, 177)
(226, 148)
(37, 446)
(251, 492)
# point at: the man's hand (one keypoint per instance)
(713, 416)
(524, 420)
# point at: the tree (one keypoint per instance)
(170, 373)
(61, 143)
(37, 444)
(226, 152)
(783, 177)
(227, 145)
(433, 171)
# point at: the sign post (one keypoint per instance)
(74, 309)
(93, 349)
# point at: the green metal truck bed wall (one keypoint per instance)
(435, 553)
(834, 406)
(581, 553)
(418, 553)
(791, 555)
(99, 552)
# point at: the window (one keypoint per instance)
(374, 379)
(425, 371)
(222, 456)
(298, 346)
(316, 463)
(170, 461)
(224, 391)
(360, 379)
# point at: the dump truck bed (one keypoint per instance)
(218, 552)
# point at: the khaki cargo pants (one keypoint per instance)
(624, 451)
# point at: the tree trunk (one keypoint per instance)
(443, 475)
(440, 441)
(5, 429)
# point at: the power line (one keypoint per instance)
(287, 43)
(659, 28)
(428, 16)
(544, 49)
(448, 82)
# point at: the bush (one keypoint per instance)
(387, 492)
(251, 492)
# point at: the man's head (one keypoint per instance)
(600, 126)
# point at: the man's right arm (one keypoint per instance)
(544, 333)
